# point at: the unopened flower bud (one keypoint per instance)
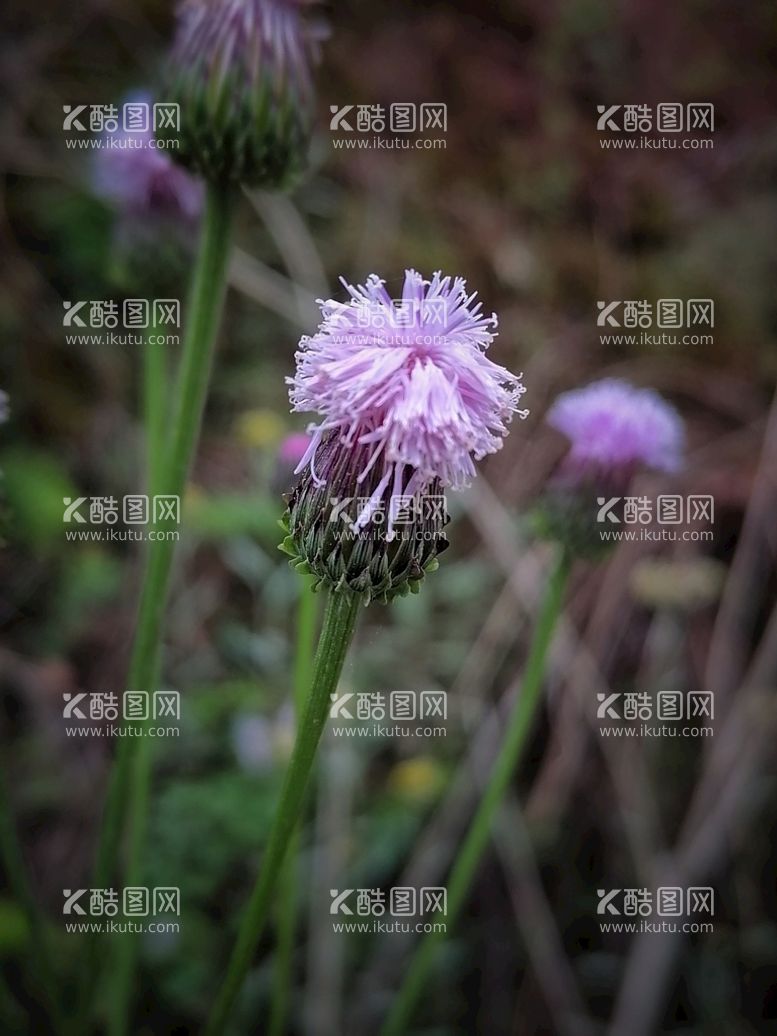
(241, 72)
(346, 532)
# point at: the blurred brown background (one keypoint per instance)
(543, 222)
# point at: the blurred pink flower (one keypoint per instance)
(290, 452)
(615, 428)
(293, 448)
(144, 185)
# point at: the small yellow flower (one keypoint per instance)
(417, 779)
(259, 429)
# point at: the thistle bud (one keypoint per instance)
(346, 533)
(241, 72)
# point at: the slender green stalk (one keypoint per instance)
(469, 855)
(130, 776)
(336, 633)
(204, 315)
(289, 880)
(155, 391)
(16, 877)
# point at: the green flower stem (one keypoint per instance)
(204, 315)
(289, 880)
(18, 883)
(466, 863)
(155, 391)
(336, 633)
(131, 772)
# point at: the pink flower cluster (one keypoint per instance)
(408, 380)
(615, 428)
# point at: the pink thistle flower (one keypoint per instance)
(404, 387)
(615, 428)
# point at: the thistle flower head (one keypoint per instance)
(241, 72)
(616, 428)
(408, 380)
(409, 401)
(151, 194)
